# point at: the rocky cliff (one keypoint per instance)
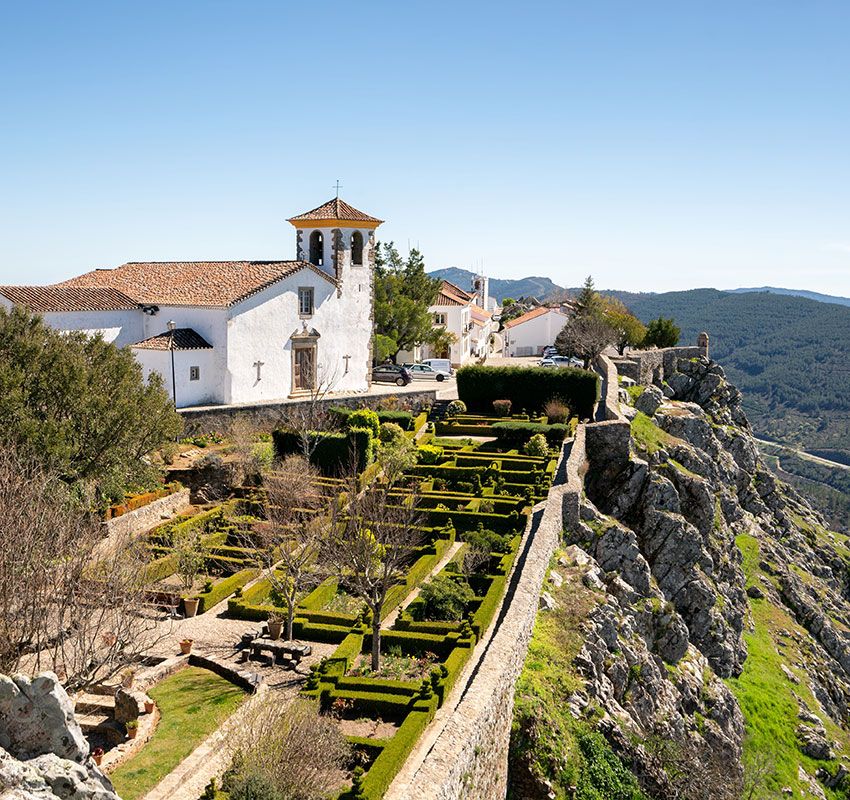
(700, 642)
(43, 754)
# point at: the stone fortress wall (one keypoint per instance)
(464, 752)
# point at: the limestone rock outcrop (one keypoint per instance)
(43, 753)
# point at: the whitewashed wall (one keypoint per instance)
(204, 391)
(120, 327)
(529, 338)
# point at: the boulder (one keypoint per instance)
(650, 400)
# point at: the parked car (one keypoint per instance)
(425, 372)
(559, 361)
(549, 351)
(440, 364)
(391, 373)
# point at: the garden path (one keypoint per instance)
(389, 621)
(215, 635)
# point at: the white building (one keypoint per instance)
(236, 331)
(528, 334)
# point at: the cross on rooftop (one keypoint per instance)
(337, 186)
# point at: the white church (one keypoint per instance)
(222, 332)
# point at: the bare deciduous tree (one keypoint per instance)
(287, 750)
(70, 601)
(289, 543)
(585, 337)
(310, 415)
(370, 545)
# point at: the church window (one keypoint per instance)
(194, 373)
(357, 248)
(317, 247)
(305, 301)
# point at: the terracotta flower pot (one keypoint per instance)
(131, 733)
(148, 706)
(190, 606)
(275, 629)
(186, 647)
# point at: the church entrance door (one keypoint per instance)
(304, 368)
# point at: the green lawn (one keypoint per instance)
(193, 703)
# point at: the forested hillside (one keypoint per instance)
(790, 356)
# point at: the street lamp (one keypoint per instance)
(172, 326)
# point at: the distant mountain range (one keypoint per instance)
(541, 288)
(821, 298)
(538, 287)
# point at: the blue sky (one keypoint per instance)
(656, 145)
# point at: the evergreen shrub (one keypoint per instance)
(527, 388)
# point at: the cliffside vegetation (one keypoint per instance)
(714, 660)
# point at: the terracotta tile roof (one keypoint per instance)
(184, 339)
(193, 283)
(529, 315)
(335, 209)
(67, 298)
(480, 314)
(451, 295)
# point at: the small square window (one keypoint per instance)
(439, 319)
(305, 301)
(194, 373)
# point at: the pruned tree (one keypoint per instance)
(310, 415)
(289, 543)
(584, 337)
(70, 601)
(286, 750)
(370, 546)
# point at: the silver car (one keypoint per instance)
(425, 372)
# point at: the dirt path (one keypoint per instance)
(392, 617)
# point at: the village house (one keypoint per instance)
(471, 325)
(221, 332)
(529, 333)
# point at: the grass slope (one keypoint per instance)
(193, 702)
(766, 695)
(545, 735)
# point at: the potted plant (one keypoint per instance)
(186, 646)
(132, 727)
(275, 623)
(190, 606)
(97, 755)
(128, 675)
(148, 706)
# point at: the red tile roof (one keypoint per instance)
(43, 299)
(480, 314)
(335, 209)
(193, 283)
(183, 338)
(529, 315)
(451, 295)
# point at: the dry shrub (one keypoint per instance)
(287, 752)
(556, 411)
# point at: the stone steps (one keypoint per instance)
(95, 704)
(95, 721)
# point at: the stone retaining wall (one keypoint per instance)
(652, 366)
(266, 416)
(147, 517)
(469, 757)
(609, 405)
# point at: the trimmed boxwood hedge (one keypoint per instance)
(403, 418)
(224, 588)
(527, 388)
(518, 433)
(333, 451)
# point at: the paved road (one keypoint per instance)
(824, 462)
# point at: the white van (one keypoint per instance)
(440, 364)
